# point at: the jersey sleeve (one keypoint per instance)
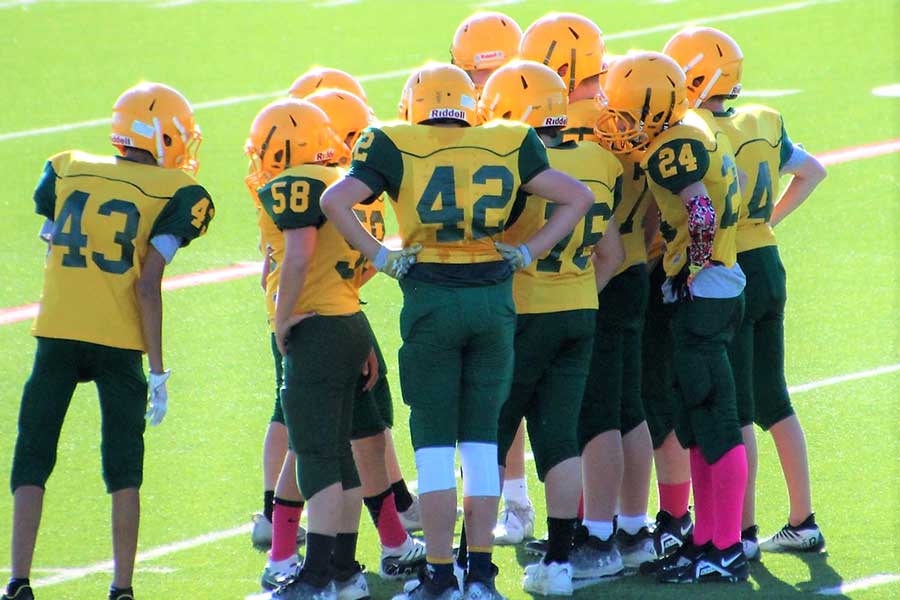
(186, 215)
(294, 201)
(787, 148)
(45, 192)
(532, 157)
(377, 162)
(678, 163)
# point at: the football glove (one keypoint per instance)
(518, 257)
(702, 229)
(396, 263)
(159, 397)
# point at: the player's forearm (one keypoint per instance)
(800, 188)
(150, 302)
(352, 230)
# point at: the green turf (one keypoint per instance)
(66, 62)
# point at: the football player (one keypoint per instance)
(613, 433)
(452, 187)
(556, 303)
(483, 43)
(321, 78)
(113, 224)
(321, 334)
(691, 173)
(713, 64)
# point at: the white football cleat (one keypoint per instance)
(516, 523)
(554, 579)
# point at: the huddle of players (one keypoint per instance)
(571, 206)
(525, 207)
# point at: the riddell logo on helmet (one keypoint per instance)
(121, 140)
(447, 113)
(555, 121)
(327, 155)
(491, 56)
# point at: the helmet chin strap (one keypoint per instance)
(157, 136)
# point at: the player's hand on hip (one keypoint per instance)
(396, 263)
(159, 397)
(518, 257)
(282, 329)
(370, 370)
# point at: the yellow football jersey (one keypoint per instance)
(761, 148)
(682, 155)
(630, 210)
(582, 114)
(452, 188)
(563, 279)
(292, 200)
(105, 212)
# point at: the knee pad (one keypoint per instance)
(481, 474)
(436, 468)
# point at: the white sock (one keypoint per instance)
(631, 524)
(516, 490)
(600, 529)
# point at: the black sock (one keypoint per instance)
(373, 504)
(293, 503)
(268, 503)
(480, 565)
(440, 573)
(402, 497)
(317, 566)
(15, 583)
(115, 592)
(462, 555)
(559, 539)
(344, 557)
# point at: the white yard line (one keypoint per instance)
(495, 3)
(14, 135)
(767, 93)
(860, 584)
(333, 3)
(797, 389)
(16, 3)
(174, 3)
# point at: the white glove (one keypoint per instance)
(159, 397)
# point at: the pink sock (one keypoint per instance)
(704, 515)
(673, 497)
(729, 482)
(285, 522)
(581, 508)
(390, 529)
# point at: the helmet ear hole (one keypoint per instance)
(507, 114)
(658, 117)
(167, 140)
(697, 81)
(279, 156)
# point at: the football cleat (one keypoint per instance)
(114, 595)
(669, 533)
(805, 537)
(425, 588)
(303, 589)
(397, 563)
(592, 557)
(677, 567)
(411, 519)
(635, 549)
(261, 534)
(537, 547)
(750, 543)
(352, 584)
(728, 565)
(553, 579)
(516, 523)
(280, 573)
(23, 593)
(478, 588)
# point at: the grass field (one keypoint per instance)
(64, 63)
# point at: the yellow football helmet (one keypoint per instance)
(403, 105)
(157, 118)
(523, 90)
(644, 95)
(441, 91)
(319, 78)
(608, 61)
(286, 133)
(348, 115)
(712, 63)
(486, 40)
(565, 40)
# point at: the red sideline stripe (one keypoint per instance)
(835, 157)
(14, 314)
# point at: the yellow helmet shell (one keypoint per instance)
(644, 95)
(565, 40)
(348, 115)
(712, 62)
(526, 91)
(319, 78)
(486, 40)
(441, 91)
(157, 118)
